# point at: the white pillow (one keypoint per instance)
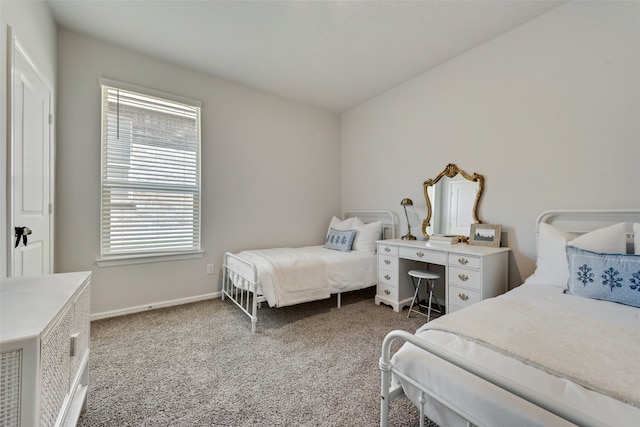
(552, 267)
(636, 238)
(366, 237)
(607, 240)
(551, 264)
(338, 224)
(357, 222)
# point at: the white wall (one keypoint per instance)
(549, 113)
(31, 24)
(270, 172)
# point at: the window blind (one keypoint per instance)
(150, 174)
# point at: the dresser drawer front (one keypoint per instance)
(462, 260)
(384, 249)
(388, 262)
(387, 292)
(462, 297)
(424, 255)
(80, 327)
(465, 278)
(55, 369)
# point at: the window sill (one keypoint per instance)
(148, 258)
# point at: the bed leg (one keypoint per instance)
(224, 278)
(384, 394)
(339, 300)
(254, 309)
(422, 401)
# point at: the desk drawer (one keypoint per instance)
(387, 292)
(462, 260)
(388, 278)
(424, 255)
(387, 262)
(385, 249)
(454, 307)
(462, 297)
(464, 277)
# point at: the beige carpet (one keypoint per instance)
(199, 365)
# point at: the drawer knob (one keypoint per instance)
(463, 297)
(387, 249)
(463, 277)
(420, 254)
(387, 261)
(387, 291)
(386, 276)
(463, 261)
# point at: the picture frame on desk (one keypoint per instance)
(485, 235)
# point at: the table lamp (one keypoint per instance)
(404, 203)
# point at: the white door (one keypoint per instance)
(31, 168)
(462, 195)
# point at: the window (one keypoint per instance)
(150, 173)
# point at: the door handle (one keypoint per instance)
(21, 233)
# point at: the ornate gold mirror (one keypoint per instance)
(452, 199)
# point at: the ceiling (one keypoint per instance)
(328, 54)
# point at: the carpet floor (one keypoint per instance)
(199, 365)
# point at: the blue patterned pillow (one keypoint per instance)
(340, 240)
(610, 277)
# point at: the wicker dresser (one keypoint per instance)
(44, 349)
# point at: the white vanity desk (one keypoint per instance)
(471, 273)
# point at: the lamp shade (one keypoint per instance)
(406, 202)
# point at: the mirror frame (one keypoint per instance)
(450, 171)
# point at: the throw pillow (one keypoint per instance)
(340, 240)
(609, 277)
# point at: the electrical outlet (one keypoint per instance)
(210, 268)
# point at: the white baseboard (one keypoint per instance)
(153, 306)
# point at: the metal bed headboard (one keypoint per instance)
(577, 222)
(387, 218)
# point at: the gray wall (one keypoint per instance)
(549, 113)
(270, 172)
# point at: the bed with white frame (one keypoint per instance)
(537, 355)
(288, 276)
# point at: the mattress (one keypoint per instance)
(345, 271)
(492, 406)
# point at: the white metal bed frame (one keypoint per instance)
(573, 221)
(243, 291)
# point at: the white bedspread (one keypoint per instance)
(545, 337)
(288, 276)
(548, 311)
